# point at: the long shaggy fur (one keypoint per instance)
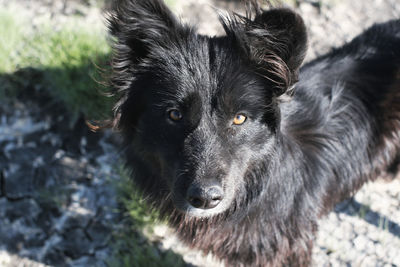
(290, 162)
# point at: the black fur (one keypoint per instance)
(288, 164)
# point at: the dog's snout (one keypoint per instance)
(204, 197)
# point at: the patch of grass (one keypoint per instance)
(170, 3)
(139, 212)
(131, 247)
(11, 32)
(363, 211)
(68, 58)
(67, 55)
(133, 250)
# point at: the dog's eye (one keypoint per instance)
(175, 115)
(239, 119)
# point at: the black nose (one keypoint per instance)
(204, 197)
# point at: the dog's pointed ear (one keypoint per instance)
(137, 25)
(275, 40)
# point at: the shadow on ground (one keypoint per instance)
(58, 203)
(354, 208)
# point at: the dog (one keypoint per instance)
(237, 144)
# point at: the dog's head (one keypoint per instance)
(200, 113)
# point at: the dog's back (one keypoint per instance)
(346, 106)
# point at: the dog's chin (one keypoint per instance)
(188, 210)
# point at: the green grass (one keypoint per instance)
(66, 55)
(68, 58)
(11, 32)
(170, 3)
(132, 248)
(136, 208)
(363, 211)
(136, 251)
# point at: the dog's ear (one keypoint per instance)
(275, 40)
(137, 25)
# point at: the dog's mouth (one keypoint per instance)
(186, 208)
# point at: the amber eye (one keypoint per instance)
(175, 115)
(239, 119)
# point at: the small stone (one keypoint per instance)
(360, 227)
(18, 181)
(103, 255)
(25, 208)
(351, 253)
(392, 253)
(3, 160)
(59, 154)
(99, 233)
(38, 162)
(67, 168)
(52, 139)
(369, 261)
(54, 257)
(396, 260)
(35, 238)
(361, 242)
(335, 263)
(23, 154)
(83, 262)
(7, 148)
(87, 197)
(5, 258)
(73, 218)
(1, 183)
(10, 238)
(75, 244)
(48, 253)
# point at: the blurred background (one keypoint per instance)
(66, 200)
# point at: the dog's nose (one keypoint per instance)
(204, 197)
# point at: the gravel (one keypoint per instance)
(56, 200)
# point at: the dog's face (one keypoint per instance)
(201, 112)
(202, 120)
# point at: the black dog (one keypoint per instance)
(215, 144)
